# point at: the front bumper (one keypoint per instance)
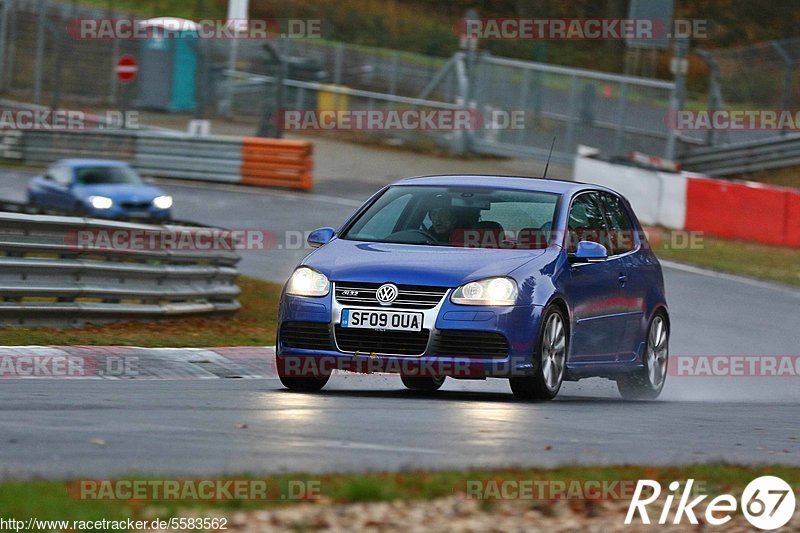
(518, 324)
(117, 211)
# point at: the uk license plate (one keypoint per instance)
(386, 320)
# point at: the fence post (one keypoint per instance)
(393, 73)
(678, 93)
(786, 100)
(3, 31)
(714, 88)
(38, 66)
(620, 118)
(338, 60)
(573, 94)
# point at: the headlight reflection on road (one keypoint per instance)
(299, 407)
(489, 421)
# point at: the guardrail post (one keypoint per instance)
(678, 94)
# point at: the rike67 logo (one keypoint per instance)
(768, 503)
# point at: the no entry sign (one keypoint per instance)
(126, 68)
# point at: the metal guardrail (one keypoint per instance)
(48, 275)
(739, 158)
(228, 159)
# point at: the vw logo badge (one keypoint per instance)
(386, 294)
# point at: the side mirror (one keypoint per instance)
(589, 252)
(320, 237)
(48, 177)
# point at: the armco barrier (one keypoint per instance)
(59, 270)
(276, 163)
(252, 161)
(733, 209)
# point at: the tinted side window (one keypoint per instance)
(586, 222)
(61, 175)
(621, 234)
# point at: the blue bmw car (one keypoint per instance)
(535, 280)
(98, 187)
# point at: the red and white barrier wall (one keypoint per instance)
(737, 210)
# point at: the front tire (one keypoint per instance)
(551, 350)
(648, 383)
(423, 384)
(302, 383)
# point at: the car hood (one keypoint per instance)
(119, 192)
(444, 266)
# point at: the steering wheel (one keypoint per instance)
(425, 233)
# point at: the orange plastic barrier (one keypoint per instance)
(277, 163)
(739, 210)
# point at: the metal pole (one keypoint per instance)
(678, 93)
(8, 79)
(338, 60)
(393, 74)
(3, 32)
(620, 117)
(37, 79)
(787, 77)
(714, 88)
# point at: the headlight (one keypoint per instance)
(100, 202)
(489, 291)
(162, 202)
(308, 282)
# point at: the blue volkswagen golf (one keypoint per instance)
(534, 280)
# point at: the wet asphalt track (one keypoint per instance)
(47, 427)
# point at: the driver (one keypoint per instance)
(443, 220)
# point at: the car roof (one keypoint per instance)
(520, 183)
(76, 162)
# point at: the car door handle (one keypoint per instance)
(623, 279)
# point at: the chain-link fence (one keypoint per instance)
(763, 76)
(42, 61)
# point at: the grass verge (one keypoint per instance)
(254, 325)
(50, 500)
(755, 260)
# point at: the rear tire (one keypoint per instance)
(424, 384)
(551, 357)
(648, 383)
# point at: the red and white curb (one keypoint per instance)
(129, 362)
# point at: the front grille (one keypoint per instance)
(306, 335)
(408, 296)
(467, 343)
(135, 205)
(366, 341)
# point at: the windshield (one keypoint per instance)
(458, 216)
(107, 175)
